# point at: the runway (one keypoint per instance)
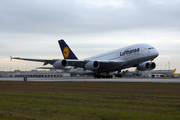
(89, 79)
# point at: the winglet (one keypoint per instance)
(14, 58)
(66, 51)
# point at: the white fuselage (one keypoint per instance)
(129, 56)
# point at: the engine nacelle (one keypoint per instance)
(60, 64)
(92, 65)
(152, 66)
(143, 66)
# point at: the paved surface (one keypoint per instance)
(165, 80)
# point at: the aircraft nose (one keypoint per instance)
(156, 52)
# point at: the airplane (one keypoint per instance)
(137, 55)
(175, 74)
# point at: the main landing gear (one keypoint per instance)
(102, 76)
(98, 75)
(119, 75)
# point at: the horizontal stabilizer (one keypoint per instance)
(45, 68)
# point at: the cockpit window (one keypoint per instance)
(150, 48)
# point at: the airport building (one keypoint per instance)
(59, 73)
(34, 73)
(157, 73)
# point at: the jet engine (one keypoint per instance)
(146, 66)
(152, 66)
(92, 65)
(60, 64)
(143, 66)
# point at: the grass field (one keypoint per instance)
(89, 101)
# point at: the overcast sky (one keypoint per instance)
(32, 28)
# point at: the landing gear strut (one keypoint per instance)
(119, 75)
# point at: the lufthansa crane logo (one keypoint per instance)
(66, 52)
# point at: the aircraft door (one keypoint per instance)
(142, 51)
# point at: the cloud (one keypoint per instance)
(71, 17)
(32, 28)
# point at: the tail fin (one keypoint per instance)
(174, 70)
(66, 51)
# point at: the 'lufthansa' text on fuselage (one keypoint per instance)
(129, 51)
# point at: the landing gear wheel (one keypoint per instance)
(102, 76)
(118, 75)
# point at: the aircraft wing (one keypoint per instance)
(66, 68)
(81, 63)
(76, 63)
(73, 62)
(46, 61)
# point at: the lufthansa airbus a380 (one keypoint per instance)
(138, 55)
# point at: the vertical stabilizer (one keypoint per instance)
(66, 51)
(174, 70)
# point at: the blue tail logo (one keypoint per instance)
(66, 51)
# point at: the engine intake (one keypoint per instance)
(60, 64)
(143, 66)
(92, 65)
(152, 66)
(146, 66)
